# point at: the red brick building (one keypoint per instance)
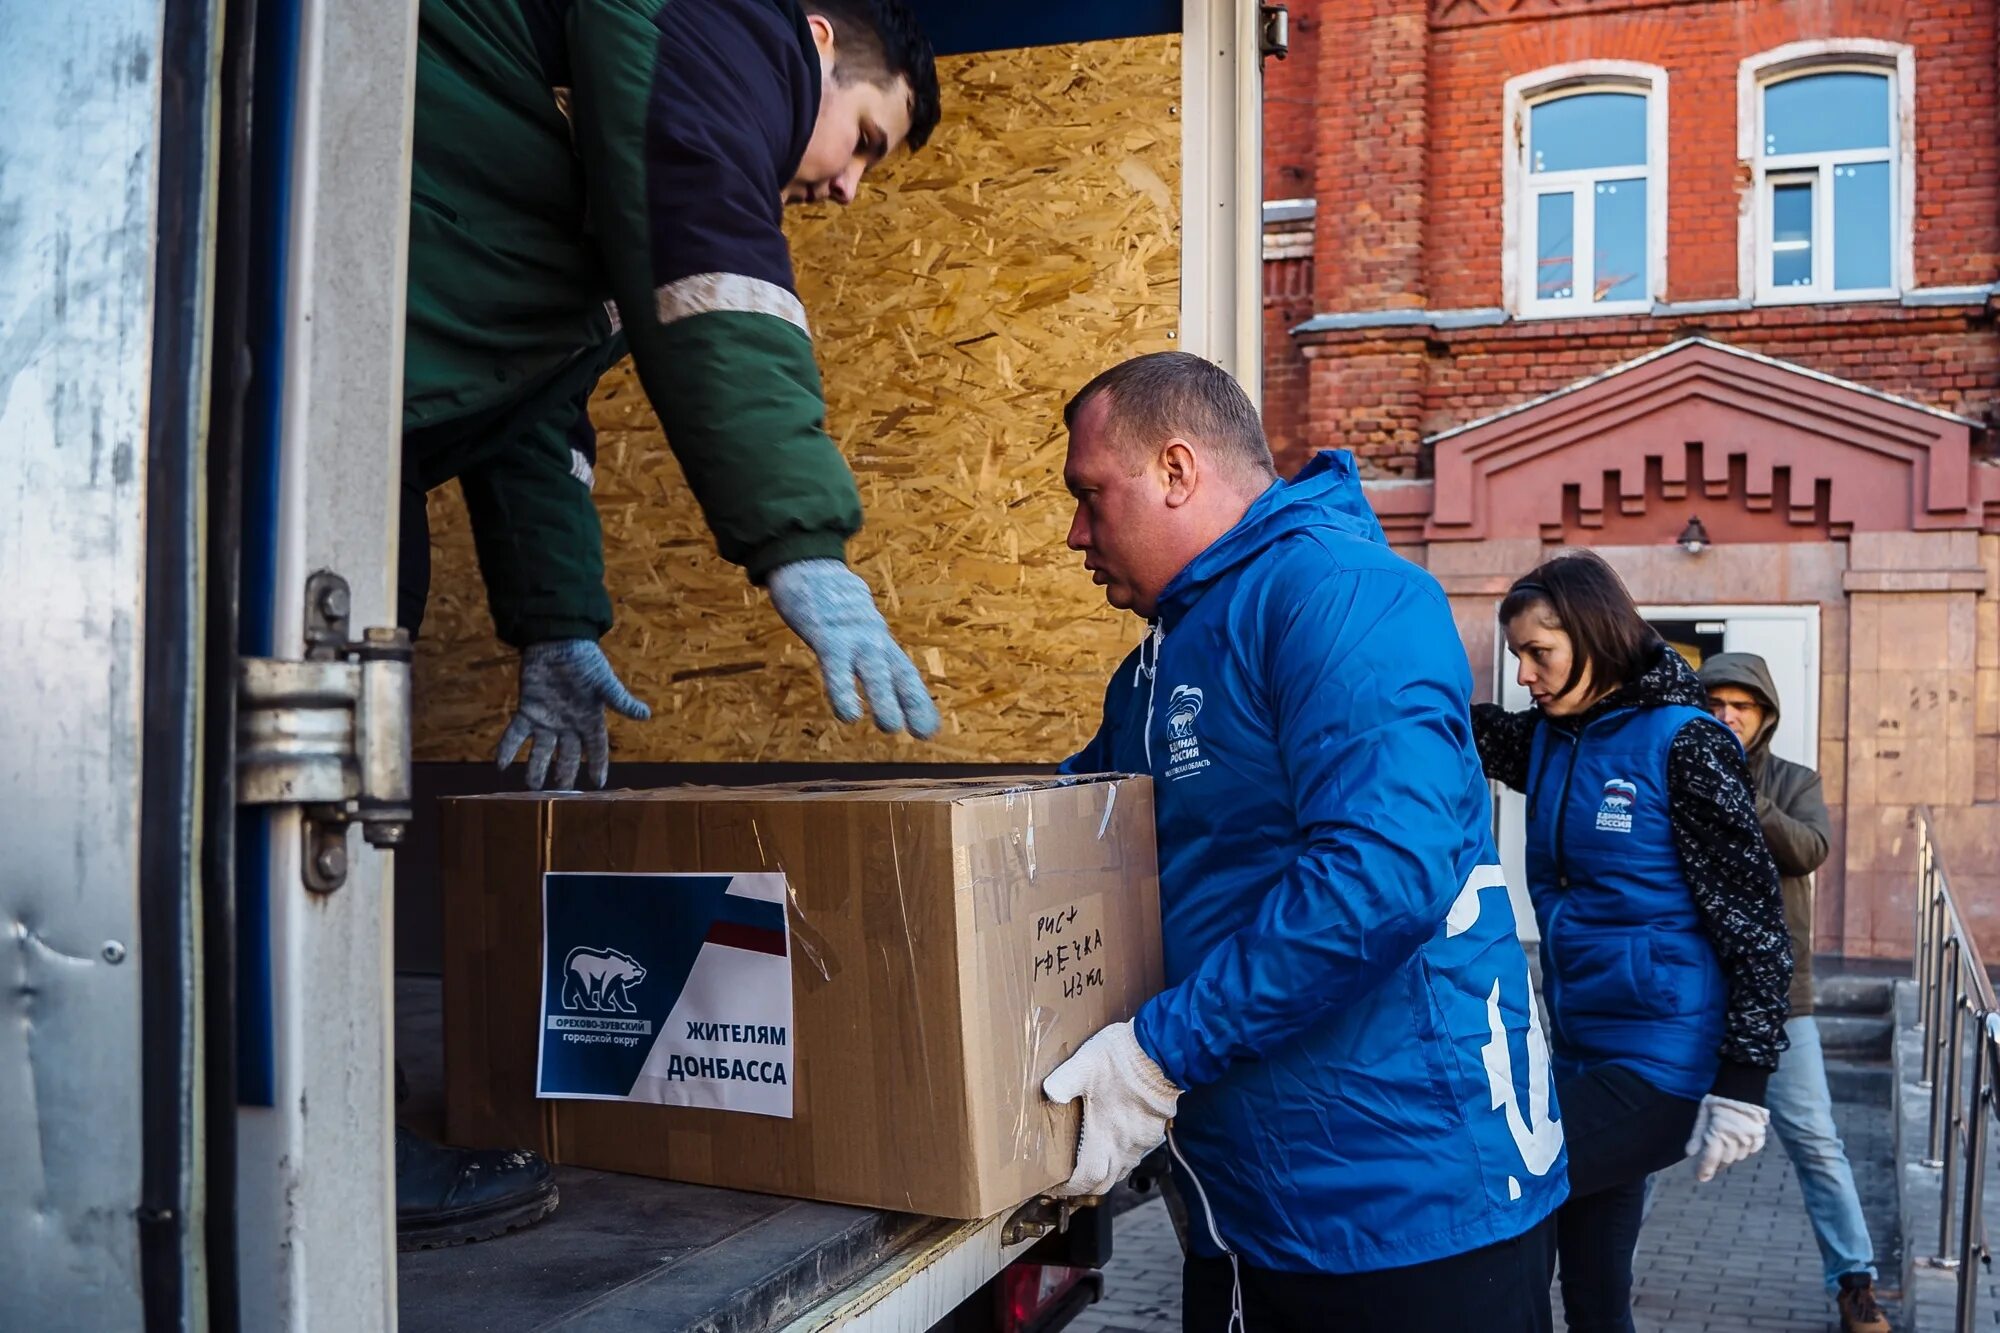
(1578, 272)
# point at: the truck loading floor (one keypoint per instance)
(624, 1252)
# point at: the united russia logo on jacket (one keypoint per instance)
(1183, 745)
(1614, 814)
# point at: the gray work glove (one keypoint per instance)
(566, 684)
(829, 606)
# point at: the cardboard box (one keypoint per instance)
(946, 943)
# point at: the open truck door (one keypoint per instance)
(203, 218)
(102, 349)
(323, 685)
(199, 373)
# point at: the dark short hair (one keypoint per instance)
(1163, 394)
(879, 41)
(1608, 637)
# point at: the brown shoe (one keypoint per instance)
(1858, 1311)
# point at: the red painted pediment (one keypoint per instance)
(1760, 449)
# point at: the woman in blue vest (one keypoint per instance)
(1665, 958)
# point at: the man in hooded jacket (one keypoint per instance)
(1790, 806)
(1348, 1049)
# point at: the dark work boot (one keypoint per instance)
(1858, 1311)
(450, 1196)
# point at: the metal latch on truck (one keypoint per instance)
(1042, 1217)
(330, 733)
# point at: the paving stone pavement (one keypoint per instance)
(1732, 1256)
(1142, 1287)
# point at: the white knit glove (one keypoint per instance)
(1725, 1132)
(1127, 1103)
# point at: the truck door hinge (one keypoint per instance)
(330, 734)
(1274, 31)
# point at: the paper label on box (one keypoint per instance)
(667, 988)
(1069, 952)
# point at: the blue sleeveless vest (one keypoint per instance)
(1629, 973)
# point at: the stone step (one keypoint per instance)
(1861, 1081)
(1857, 1037)
(1852, 993)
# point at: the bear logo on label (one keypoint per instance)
(1614, 813)
(597, 979)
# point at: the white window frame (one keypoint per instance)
(1520, 187)
(1897, 62)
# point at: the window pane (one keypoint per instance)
(1792, 234)
(1620, 272)
(1555, 247)
(1588, 130)
(1861, 226)
(1823, 113)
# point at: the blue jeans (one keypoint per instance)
(1802, 1116)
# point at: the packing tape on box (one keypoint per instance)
(818, 953)
(1032, 1117)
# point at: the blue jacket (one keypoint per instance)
(1348, 1004)
(1630, 974)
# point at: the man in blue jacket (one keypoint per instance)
(1362, 1119)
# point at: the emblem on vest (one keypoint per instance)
(1183, 746)
(1614, 813)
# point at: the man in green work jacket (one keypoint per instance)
(598, 176)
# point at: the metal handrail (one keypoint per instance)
(1952, 988)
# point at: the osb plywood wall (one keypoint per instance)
(977, 284)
